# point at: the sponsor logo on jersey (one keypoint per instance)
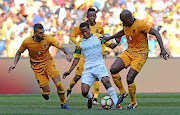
(93, 40)
(39, 53)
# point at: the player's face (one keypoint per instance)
(39, 34)
(85, 31)
(127, 20)
(91, 16)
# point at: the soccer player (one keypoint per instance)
(94, 66)
(95, 28)
(135, 55)
(42, 62)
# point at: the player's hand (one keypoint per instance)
(69, 58)
(118, 40)
(65, 74)
(104, 39)
(11, 68)
(164, 54)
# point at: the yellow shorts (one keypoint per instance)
(42, 74)
(79, 67)
(136, 61)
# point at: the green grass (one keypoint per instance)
(148, 104)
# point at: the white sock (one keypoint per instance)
(113, 94)
(89, 95)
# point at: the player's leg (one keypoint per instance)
(42, 80)
(106, 82)
(71, 85)
(96, 91)
(45, 92)
(60, 91)
(136, 65)
(79, 69)
(116, 67)
(85, 92)
(87, 81)
(53, 72)
(132, 88)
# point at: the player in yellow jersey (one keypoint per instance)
(135, 55)
(95, 28)
(42, 62)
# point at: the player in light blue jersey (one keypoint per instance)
(94, 67)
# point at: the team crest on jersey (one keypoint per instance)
(97, 31)
(134, 31)
(39, 53)
(45, 45)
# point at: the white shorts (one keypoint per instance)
(90, 74)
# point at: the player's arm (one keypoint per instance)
(16, 59)
(163, 53)
(117, 35)
(56, 44)
(18, 55)
(113, 45)
(77, 55)
(74, 34)
(66, 51)
(75, 62)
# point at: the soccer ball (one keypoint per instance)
(106, 102)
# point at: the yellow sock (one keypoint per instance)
(118, 82)
(45, 93)
(71, 85)
(96, 89)
(60, 91)
(132, 92)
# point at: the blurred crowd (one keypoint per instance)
(59, 17)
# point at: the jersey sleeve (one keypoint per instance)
(74, 34)
(23, 46)
(144, 27)
(77, 52)
(54, 42)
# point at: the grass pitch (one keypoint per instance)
(148, 104)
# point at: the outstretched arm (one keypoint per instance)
(75, 62)
(16, 59)
(117, 35)
(163, 53)
(66, 51)
(113, 45)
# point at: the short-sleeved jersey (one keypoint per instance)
(39, 51)
(91, 50)
(136, 36)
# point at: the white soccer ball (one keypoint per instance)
(106, 102)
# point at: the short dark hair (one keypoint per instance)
(90, 10)
(38, 26)
(84, 24)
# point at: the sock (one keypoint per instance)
(132, 92)
(118, 82)
(89, 95)
(113, 94)
(71, 85)
(60, 91)
(96, 89)
(44, 93)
